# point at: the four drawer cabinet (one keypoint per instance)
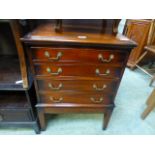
(76, 75)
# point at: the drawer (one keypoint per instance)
(15, 115)
(77, 85)
(75, 98)
(47, 69)
(78, 55)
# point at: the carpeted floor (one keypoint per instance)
(130, 103)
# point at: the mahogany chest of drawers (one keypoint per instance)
(76, 74)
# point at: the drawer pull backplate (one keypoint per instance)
(100, 57)
(100, 100)
(56, 100)
(107, 72)
(54, 73)
(59, 55)
(55, 88)
(99, 89)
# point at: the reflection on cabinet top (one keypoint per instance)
(46, 34)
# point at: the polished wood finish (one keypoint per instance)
(65, 82)
(69, 97)
(79, 85)
(113, 57)
(138, 31)
(100, 71)
(46, 35)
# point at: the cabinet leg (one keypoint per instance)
(107, 116)
(41, 116)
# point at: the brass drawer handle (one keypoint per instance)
(99, 89)
(55, 88)
(59, 55)
(100, 57)
(102, 74)
(96, 101)
(54, 73)
(56, 100)
(1, 118)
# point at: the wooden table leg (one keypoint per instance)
(107, 116)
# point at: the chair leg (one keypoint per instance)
(149, 108)
(140, 58)
(152, 80)
(150, 105)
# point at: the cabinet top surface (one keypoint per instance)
(46, 33)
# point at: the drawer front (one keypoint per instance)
(77, 70)
(77, 85)
(15, 115)
(78, 55)
(75, 98)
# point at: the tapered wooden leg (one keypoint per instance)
(149, 108)
(41, 116)
(107, 116)
(151, 99)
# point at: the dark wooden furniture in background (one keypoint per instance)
(76, 70)
(149, 50)
(149, 54)
(145, 53)
(138, 31)
(17, 93)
